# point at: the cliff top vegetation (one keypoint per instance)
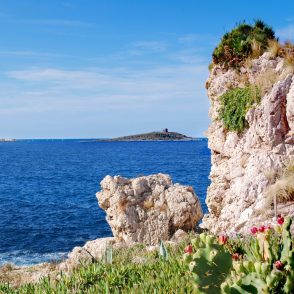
(241, 42)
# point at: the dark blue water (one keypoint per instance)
(47, 189)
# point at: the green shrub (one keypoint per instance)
(234, 105)
(242, 42)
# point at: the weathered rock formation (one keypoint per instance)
(244, 165)
(148, 209)
(92, 251)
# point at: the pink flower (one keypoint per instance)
(254, 230)
(261, 229)
(188, 249)
(236, 256)
(280, 220)
(222, 239)
(267, 228)
(279, 265)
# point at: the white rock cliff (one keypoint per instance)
(242, 163)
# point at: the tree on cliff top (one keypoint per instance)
(242, 42)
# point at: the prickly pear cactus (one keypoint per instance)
(210, 264)
(287, 256)
(247, 277)
(262, 264)
(268, 266)
(286, 241)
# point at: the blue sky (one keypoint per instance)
(86, 68)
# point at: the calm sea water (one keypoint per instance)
(47, 189)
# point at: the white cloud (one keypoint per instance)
(119, 87)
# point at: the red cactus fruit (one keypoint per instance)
(188, 249)
(261, 229)
(222, 239)
(279, 265)
(236, 256)
(254, 230)
(280, 220)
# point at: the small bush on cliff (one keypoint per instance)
(242, 42)
(234, 105)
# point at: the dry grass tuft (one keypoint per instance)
(266, 80)
(290, 167)
(271, 175)
(287, 52)
(289, 58)
(248, 62)
(243, 79)
(256, 49)
(274, 47)
(283, 188)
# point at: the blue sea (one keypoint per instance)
(47, 189)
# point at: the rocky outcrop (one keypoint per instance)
(148, 209)
(92, 251)
(244, 165)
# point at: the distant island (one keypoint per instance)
(164, 135)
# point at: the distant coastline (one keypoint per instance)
(7, 140)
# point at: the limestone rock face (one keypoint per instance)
(243, 164)
(149, 208)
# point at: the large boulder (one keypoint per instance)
(149, 208)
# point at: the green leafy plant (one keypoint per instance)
(133, 270)
(242, 42)
(163, 251)
(234, 105)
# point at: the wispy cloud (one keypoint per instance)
(188, 56)
(139, 48)
(30, 54)
(109, 87)
(190, 38)
(286, 33)
(290, 19)
(57, 22)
